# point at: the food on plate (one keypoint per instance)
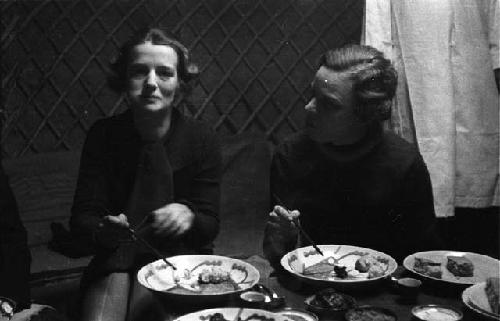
(205, 279)
(328, 268)
(460, 266)
(369, 314)
(330, 299)
(492, 293)
(220, 317)
(213, 275)
(428, 267)
(375, 265)
(214, 317)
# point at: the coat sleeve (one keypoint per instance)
(414, 219)
(91, 196)
(204, 196)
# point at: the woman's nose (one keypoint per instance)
(311, 105)
(151, 81)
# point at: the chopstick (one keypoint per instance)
(136, 237)
(296, 222)
(238, 314)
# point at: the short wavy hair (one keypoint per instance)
(375, 79)
(186, 70)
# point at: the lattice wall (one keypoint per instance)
(256, 59)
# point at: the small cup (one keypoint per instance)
(408, 287)
(253, 299)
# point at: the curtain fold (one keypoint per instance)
(445, 53)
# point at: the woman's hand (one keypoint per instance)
(112, 230)
(284, 214)
(172, 220)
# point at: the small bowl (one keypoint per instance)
(430, 312)
(407, 286)
(254, 299)
(369, 312)
(314, 305)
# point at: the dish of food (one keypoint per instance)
(341, 265)
(370, 313)
(232, 314)
(432, 312)
(297, 315)
(329, 300)
(483, 298)
(207, 275)
(452, 267)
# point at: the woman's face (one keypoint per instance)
(330, 113)
(152, 79)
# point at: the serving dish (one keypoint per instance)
(232, 314)
(297, 315)
(370, 313)
(329, 303)
(339, 268)
(483, 266)
(474, 297)
(436, 312)
(199, 277)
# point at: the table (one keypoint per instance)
(383, 295)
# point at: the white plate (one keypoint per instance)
(475, 298)
(345, 255)
(231, 314)
(157, 276)
(484, 266)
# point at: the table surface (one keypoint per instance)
(383, 295)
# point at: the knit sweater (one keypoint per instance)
(375, 193)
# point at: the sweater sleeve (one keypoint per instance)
(204, 197)
(279, 237)
(414, 218)
(91, 196)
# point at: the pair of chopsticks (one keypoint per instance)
(137, 238)
(296, 222)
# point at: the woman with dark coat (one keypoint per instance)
(151, 169)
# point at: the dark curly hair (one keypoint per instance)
(374, 77)
(186, 71)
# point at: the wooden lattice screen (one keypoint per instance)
(256, 60)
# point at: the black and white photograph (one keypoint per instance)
(249, 160)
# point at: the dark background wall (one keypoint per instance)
(256, 60)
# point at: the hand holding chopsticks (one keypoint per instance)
(120, 222)
(294, 219)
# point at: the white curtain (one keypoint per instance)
(445, 52)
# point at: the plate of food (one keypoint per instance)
(483, 298)
(232, 314)
(454, 267)
(341, 266)
(199, 276)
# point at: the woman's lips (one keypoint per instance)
(150, 99)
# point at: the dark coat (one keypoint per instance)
(107, 172)
(15, 257)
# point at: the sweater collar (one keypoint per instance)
(352, 153)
